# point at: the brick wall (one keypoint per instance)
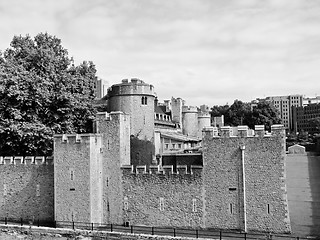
(26, 190)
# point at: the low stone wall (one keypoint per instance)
(61, 233)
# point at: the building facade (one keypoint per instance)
(303, 116)
(284, 106)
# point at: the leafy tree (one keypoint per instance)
(42, 93)
(315, 123)
(217, 111)
(263, 114)
(237, 113)
(240, 113)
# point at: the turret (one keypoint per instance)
(136, 98)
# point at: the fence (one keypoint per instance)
(164, 231)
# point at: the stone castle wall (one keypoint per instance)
(241, 186)
(115, 131)
(78, 177)
(87, 171)
(244, 180)
(163, 198)
(26, 188)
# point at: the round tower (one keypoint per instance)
(135, 98)
(204, 120)
(190, 120)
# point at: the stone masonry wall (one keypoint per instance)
(127, 98)
(114, 128)
(163, 198)
(78, 173)
(261, 197)
(26, 188)
(190, 121)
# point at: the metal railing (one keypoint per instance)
(164, 231)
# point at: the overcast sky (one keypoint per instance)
(204, 51)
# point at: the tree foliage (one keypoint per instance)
(42, 93)
(240, 113)
(315, 124)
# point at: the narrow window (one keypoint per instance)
(161, 205)
(179, 145)
(125, 203)
(268, 208)
(231, 208)
(194, 205)
(144, 101)
(38, 190)
(173, 146)
(167, 145)
(4, 189)
(71, 170)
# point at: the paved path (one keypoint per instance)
(303, 186)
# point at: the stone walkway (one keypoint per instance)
(303, 186)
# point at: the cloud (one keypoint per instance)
(206, 51)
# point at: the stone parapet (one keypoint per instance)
(27, 160)
(134, 87)
(189, 109)
(259, 130)
(243, 131)
(164, 170)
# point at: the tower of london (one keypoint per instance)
(159, 164)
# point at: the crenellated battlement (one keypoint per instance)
(242, 131)
(189, 109)
(83, 138)
(161, 170)
(133, 87)
(27, 160)
(204, 115)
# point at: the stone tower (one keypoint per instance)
(136, 98)
(176, 110)
(204, 119)
(190, 120)
(87, 177)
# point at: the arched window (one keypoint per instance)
(144, 101)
